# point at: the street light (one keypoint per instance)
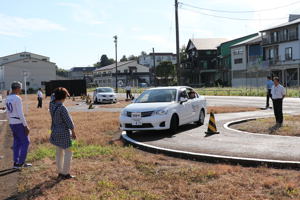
(116, 49)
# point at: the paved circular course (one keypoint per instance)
(230, 145)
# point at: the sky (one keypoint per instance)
(75, 33)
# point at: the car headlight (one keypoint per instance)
(161, 112)
(124, 113)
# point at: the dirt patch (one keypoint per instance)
(267, 126)
(229, 109)
(105, 169)
(8, 176)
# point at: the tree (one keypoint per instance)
(62, 72)
(143, 53)
(104, 61)
(165, 70)
(132, 57)
(123, 59)
(183, 54)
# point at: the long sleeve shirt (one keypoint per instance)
(14, 109)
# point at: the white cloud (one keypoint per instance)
(19, 27)
(83, 14)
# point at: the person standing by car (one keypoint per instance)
(40, 98)
(278, 93)
(61, 137)
(269, 85)
(18, 125)
(128, 92)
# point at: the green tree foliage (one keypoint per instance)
(62, 72)
(123, 59)
(132, 57)
(104, 61)
(143, 53)
(165, 70)
(183, 54)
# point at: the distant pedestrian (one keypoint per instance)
(128, 92)
(269, 84)
(40, 98)
(278, 94)
(18, 125)
(62, 133)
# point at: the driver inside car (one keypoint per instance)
(192, 95)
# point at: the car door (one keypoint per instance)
(184, 108)
(194, 105)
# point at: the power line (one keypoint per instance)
(234, 18)
(239, 11)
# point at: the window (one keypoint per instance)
(125, 71)
(238, 61)
(285, 34)
(27, 83)
(288, 53)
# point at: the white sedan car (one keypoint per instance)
(163, 108)
(104, 95)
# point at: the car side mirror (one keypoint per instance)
(182, 100)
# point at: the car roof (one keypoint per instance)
(170, 87)
(103, 87)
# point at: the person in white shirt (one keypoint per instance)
(128, 92)
(278, 93)
(40, 98)
(18, 125)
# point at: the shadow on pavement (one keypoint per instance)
(8, 171)
(148, 136)
(37, 191)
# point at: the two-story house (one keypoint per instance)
(224, 59)
(148, 60)
(248, 69)
(128, 73)
(281, 50)
(200, 66)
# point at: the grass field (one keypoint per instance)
(226, 91)
(265, 126)
(106, 169)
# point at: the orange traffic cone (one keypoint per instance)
(212, 128)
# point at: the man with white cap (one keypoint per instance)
(18, 125)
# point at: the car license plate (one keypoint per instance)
(137, 123)
(136, 116)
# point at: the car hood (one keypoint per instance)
(106, 93)
(143, 107)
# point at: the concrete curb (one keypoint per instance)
(228, 124)
(211, 158)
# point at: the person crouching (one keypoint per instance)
(62, 132)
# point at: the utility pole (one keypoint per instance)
(154, 72)
(178, 72)
(116, 49)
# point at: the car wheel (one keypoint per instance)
(174, 124)
(200, 122)
(128, 132)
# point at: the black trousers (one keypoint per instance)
(128, 94)
(40, 102)
(269, 95)
(277, 104)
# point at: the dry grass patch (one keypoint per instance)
(106, 171)
(229, 109)
(266, 126)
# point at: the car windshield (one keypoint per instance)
(158, 95)
(104, 90)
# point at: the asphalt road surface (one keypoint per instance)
(231, 143)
